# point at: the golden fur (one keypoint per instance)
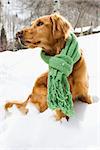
(50, 33)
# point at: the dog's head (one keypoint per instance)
(45, 32)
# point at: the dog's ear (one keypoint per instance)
(60, 26)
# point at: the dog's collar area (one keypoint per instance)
(60, 66)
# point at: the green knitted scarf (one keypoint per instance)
(60, 67)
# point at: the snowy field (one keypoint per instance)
(40, 131)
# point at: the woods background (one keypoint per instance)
(15, 14)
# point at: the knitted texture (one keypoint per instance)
(60, 67)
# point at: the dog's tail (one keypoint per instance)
(20, 105)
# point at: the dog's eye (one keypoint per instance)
(39, 23)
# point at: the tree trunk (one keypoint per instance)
(3, 40)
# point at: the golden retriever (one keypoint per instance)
(50, 33)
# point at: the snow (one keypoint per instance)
(87, 28)
(97, 29)
(78, 30)
(40, 131)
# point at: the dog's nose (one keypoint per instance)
(19, 35)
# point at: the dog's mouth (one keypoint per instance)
(29, 42)
(21, 44)
(36, 43)
(24, 44)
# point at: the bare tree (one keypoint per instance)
(1, 15)
(97, 16)
(0, 10)
(3, 39)
(56, 5)
(82, 8)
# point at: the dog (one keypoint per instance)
(51, 33)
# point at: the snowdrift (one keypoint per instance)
(18, 72)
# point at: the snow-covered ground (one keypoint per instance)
(40, 131)
(87, 28)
